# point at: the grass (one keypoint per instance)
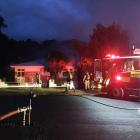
(26, 91)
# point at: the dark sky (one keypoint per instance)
(67, 19)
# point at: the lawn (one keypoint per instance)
(36, 90)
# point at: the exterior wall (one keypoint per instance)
(45, 77)
(28, 74)
(30, 77)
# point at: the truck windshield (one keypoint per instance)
(127, 64)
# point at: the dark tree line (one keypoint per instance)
(109, 39)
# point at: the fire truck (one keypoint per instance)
(119, 77)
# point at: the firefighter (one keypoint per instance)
(86, 81)
(38, 81)
(92, 83)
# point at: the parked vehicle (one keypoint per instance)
(118, 76)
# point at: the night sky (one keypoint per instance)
(67, 19)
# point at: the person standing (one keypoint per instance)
(38, 81)
(86, 81)
(70, 82)
(67, 80)
(72, 85)
(92, 84)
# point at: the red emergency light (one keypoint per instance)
(118, 77)
(112, 56)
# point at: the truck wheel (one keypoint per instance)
(117, 93)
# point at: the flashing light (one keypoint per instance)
(118, 77)
(108, 55)
(99, 86)
(136, 51)
(112, 56)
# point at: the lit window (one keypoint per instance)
(20, 72)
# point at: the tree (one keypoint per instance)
(109, 39)
(57, 61)
(2, 24)
(85, 65)
(3, 38)
(55, 67)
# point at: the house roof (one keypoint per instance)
(39, 62)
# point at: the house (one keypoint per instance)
(30, 72)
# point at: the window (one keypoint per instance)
(20, 72)
(132, 65)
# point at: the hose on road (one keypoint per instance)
(112, 106)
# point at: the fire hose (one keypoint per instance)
(112, 106)
(23, 110)
(17, 111)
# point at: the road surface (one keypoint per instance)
(72, 118)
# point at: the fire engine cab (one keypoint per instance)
(118, 76)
